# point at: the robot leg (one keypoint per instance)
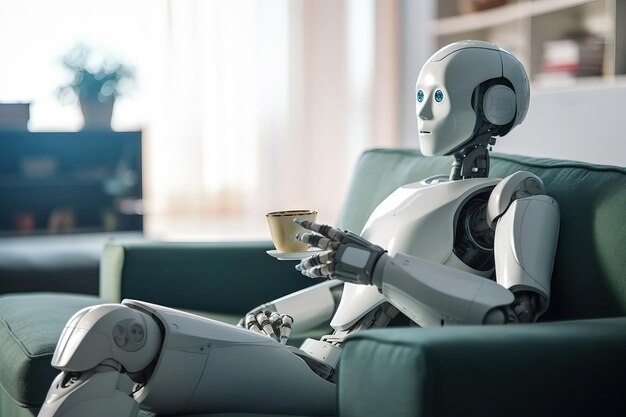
(208, 366)
(114, 357)
(101, 392)
(103, 351)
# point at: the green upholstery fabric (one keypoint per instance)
(30, 326)
(55, 262)
(574, 368)
(202, 276)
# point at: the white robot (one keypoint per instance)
(459, 249)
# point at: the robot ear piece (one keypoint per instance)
(499, 104)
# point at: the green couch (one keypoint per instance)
(573, 363)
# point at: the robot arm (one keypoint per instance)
(526, 223)
(427, 292)
(432, 294)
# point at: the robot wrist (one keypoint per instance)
(357, 264)
(379, 271)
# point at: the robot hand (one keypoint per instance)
(347, 257)
(263, 321)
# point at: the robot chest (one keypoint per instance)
(419, 219)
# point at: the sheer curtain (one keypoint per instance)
(270, 103)
(227, 89)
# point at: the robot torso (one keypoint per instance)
(434, 219)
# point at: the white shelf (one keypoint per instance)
(579, 84)
(456, 25)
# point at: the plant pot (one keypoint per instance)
(97, 115)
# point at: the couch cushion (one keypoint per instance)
(60, 263)
(572, 368)
(590, 267)
(30, 326)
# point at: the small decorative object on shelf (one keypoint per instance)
(61, 220)
(579, 54)
(96, 83)
(24, 222)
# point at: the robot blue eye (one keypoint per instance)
(420, 96)
(438, 96)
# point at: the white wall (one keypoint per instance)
(584, 123)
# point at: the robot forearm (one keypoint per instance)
(432, 294)
(427, 292)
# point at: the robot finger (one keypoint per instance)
(285, 328)
(313, 261)
(251, 324)
(320, 271)
(323, 229)
(318, 241)
(282, 326)
(264, 323)
(276, 321)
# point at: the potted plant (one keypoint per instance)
(96, 82)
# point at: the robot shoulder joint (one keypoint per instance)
(518, 185)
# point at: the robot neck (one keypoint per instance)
(472, 161)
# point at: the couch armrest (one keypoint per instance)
(567, 368)
(226, 278)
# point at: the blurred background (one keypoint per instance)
(205, 114)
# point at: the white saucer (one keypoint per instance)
(293, 256)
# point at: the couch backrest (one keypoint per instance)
(589, 278)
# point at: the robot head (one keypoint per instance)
(466, 91)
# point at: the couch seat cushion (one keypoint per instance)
(30, 327)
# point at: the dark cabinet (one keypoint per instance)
(69, 182)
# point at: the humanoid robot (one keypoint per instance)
(463, 248)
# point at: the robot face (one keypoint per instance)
(443, 94)
(433, 109)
